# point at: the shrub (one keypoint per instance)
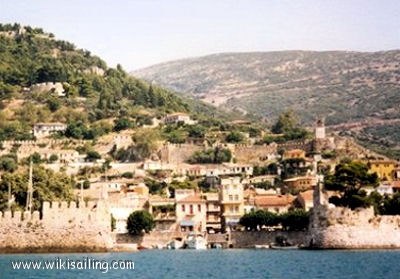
(139, 222)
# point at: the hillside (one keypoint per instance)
(343, 87)
(43, 79)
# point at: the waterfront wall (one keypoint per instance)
(61, 228)
(342, 228)
(246, 239)
(149, 240)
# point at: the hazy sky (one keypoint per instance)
(138, 33)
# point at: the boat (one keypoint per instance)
(279, 247)
(261, 246)
(196, 241)
(175, 244)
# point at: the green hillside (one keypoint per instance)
(95, 94)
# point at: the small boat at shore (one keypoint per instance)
(175, 244)
(261, 246)
(196, 241)
(279, 247)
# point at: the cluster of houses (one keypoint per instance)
(191, 210)
(235, 188)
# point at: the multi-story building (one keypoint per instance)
(191, 213)
(232, 203)
(213, 212)
(301, 183)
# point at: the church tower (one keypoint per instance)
(320, 129)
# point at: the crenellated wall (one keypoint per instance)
(61, 227)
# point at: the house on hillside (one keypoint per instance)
(178, 117)
(41, 130)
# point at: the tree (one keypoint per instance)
(285, 123)
(295, 220)
(288, 125)
(391, 205)
(348, 179)
(47, 186)
(196, 131)
(211, 156)
(139, 222)
(255, 220)
(234, 137)
(92, 155)
(53, 158)
(8, 164)
(122, 124)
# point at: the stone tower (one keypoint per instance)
(320, 129)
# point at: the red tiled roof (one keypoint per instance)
(273, 200)
(192, 199)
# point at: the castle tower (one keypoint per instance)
(320, 129)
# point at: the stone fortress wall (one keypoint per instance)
(60, 228)
(254, 154)
(341, 228)
(178, 153)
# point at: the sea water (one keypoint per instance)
(232, 263)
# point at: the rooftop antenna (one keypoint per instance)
(30, 189)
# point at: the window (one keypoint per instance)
(199, 207)
(231, 197)
(236, 197)
(231, 208)
(191, 209)
(183, 207)
(235, 186)
(236, 208)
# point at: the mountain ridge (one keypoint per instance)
(340, 86)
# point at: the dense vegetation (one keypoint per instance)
(293, 220)
(348, 179)
(94, 93)
(211, 156)
(49, 186)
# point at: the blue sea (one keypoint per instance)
(231, 263)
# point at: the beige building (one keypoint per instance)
(273, 203)
(213, 212)
(232, 202)
(294, 154)
(385, 169)
(301, 183)
(191, 213)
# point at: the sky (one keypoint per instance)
(139, 33)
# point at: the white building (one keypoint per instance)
(178, 117)
(41, 130)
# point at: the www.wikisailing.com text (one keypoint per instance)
(73, 264)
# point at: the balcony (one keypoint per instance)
(165, 217)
